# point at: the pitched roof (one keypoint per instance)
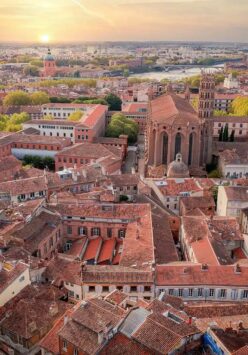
(171, 109)
(182, 274)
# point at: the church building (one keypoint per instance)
(175, 127)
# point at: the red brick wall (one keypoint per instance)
(103, 226)
(5, 150)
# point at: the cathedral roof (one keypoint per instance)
(172, 109)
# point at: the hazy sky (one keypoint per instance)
(97, 20)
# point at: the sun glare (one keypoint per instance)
(44, 38)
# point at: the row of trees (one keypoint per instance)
(224, 134)
(14, 122)
(39, 162)
(111, 100)
(120, 124)
(21, 98)
(70, 82)
(195, 80)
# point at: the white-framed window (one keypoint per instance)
(223, 293)
(190, 292)
(211, 292)
(245, 294)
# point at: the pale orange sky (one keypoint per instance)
(101, 20)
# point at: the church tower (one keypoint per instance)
(206, 96)
(49, 65)
(205, 113)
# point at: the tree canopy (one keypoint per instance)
(13, 123)
(114, 102)
(31, 70)
(75, 116)
(39, 162)
(17, 98)
(239, 106)
(39, 98)
(21, 98)
(120, 124)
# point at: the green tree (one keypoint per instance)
(39, 162)
(17, 98)
(239, 106)
(48, 117)
(225, 133)
(75, 116)
(14, 122)
(37, 63)
(220, 113)
(221, 134)
(126, 73)
(114, 102)
(39, 98)
(120, 124)
(31, 70)
(231, 138)
(62, 100)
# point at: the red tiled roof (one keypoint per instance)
(171, 108)
(107, 250)
(193, 275)
(93, 117)
(92, 249)
(122, 345)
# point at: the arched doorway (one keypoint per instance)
(191, 144)
(178, 142)
(164, 148)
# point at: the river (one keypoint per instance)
(178, 74)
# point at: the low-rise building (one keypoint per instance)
(42, 236)
(108, 159)
(24, 189)
(31, 314)
(233, 164)
(231, 200)
(202, 282)
(91, 125)
(213, 241)
(170, 191)
(14, 276)
(189, 204)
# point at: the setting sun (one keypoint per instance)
(44, 38)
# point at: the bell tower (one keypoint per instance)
(206, 96)
(206, 113)
(49, 65)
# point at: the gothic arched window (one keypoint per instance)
(178, 142)
(191, 141)
(164, 148)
